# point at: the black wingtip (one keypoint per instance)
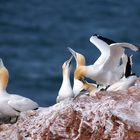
(139, 49)
(128, 67)
(107, 40)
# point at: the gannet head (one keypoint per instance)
(67, 65)
(80, 59)
(84, 87)
(88, 86)
(4, 76)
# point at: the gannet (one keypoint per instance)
(80, 84)
(127, 80)
(107, 69)
(65, 90)
(89, 88)
(11, 104)
(123, 84)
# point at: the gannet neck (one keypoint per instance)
(66, 74)
(4, 77)
(77, 87)
(80, 60)
(80, 72)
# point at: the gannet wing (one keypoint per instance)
(116, 52)
(20, 103)
(122, 69)
(126, 45)
(114, 58)
(128, 69)
(103, 47)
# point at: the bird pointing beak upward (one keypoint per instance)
(72, 52)
(1, 63)
(68, 62)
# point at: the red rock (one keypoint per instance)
(106, 116)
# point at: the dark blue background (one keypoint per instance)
(35, 34)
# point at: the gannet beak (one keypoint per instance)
(69, 61)
(1, 63)
(72, 52)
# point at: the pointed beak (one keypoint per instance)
(1, 63)
(72, 52)
(69, 61)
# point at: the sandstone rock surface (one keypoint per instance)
(106, 116)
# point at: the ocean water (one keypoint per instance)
(35, 34)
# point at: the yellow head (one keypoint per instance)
(4, 76)
(80, 59)
(88, 86)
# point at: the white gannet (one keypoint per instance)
(65, 90)
(123, 84)
(80, 84)
(11, 104)
(107, 69)
(128, 79)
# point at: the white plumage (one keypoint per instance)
(65, 90)
(11, 104)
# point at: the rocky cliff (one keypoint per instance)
(106, 116)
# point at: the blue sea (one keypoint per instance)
(35, 34)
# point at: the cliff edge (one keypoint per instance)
(108, 116)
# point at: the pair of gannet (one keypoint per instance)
(79, 83)
(11, 104)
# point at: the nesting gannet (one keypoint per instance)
(79, 83)
(128, 79)
(11, 104)
(65, 89)
(106, 70)
(89, 88)
(123, 84)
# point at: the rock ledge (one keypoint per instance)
(108, 116)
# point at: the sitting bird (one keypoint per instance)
(11, 104)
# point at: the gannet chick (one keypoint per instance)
(65, 89)
(11, 104)
(128, 79)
